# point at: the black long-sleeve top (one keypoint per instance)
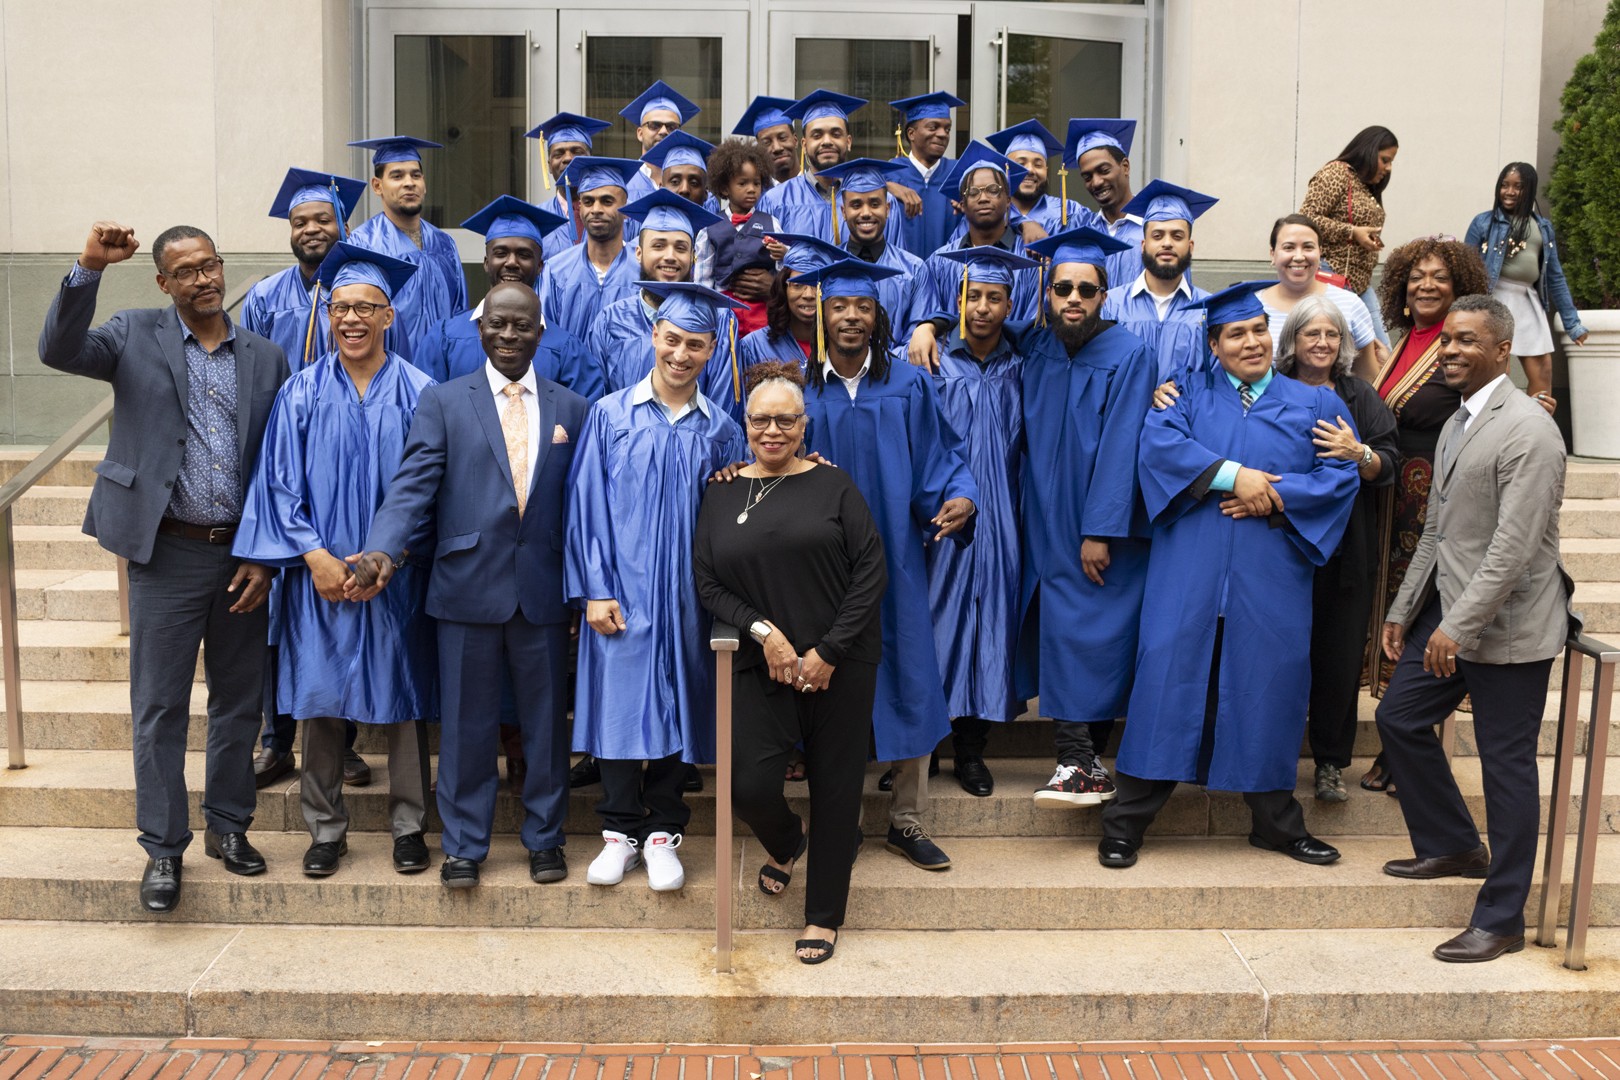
(809, 559)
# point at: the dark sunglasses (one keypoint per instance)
(1086, 289)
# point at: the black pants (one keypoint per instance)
(1080, 741)
(1340, 610)
(969, 736)
(639, 803)
(835, 726)
(1508, 704)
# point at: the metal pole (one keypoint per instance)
(724, 641)
(13, 655)
(1597, 749)
(1552, 865)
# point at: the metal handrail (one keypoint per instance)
(1576, 650)
(724, 640)
(14, 489)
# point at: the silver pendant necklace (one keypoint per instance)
(754, 500)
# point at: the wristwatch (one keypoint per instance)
(759, 630)
(1366, 455)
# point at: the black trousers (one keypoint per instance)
(1077, 741)
(969, 736)
(1340, 610)
(1508, 704)
(639, 803)
(835, 726)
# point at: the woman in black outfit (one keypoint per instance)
(801, 572)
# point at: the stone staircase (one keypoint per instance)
(1026, 938)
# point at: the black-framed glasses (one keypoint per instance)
(666, 127)
(363, 308)
(185, 275)
(783, 421)
(1086, 289)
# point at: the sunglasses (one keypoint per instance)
(1085, 288)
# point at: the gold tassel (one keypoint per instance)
(545, 167)
(309, 332)
(736, 372)
(821, 330)
(801, 156)
(961, 305)
(1040, 294)
(899, 146)
(832, 204)
(1063, 186)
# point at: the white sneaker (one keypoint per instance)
(618, 855)
(664, 870)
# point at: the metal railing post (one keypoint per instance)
(724, 640)
(1597, 749)
(15, 750)
(1552, 862)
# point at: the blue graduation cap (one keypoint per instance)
(679, 148)
(988, 264)
(307, 185)
(848, 277)
(659, 96)
(1161, 201)
(690, 306)
(509, 216)
(1031, 136)
(1235, 303)
(664, 211)
(820, 104)
(933, 106)
(1089, 134)
(351, 264)
(569, 127)
(1082, 245)
(863, 174)
(587, 173)
(391, 148)
(979, 156)
(806, 252)
(763, 113)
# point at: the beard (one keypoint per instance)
(308, 260)
(1074, 335)
(1166, 273)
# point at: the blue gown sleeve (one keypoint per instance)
(938, 469)
(252, 315)
(1170, 460)
(1318, 503)
(432, 355)
(577, 368)
(590, 564)
(415, 486)
(1113, 495)
(276, 528)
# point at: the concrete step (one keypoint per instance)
(60, 649)
(95, 789)
(995, 884)
(1599, 605)
(60, 547)
(75, 470)
(1591, 480)
(69, 595)
(1591, 558)
(1589, 518)
(893, 986)
(50, 504)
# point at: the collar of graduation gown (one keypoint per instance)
(956, 343)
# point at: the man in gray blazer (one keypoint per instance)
(191, 395)
(1483, 610)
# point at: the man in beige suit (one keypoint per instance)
(1483, 611)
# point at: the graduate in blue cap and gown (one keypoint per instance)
(646, 678)
(974, 591)
(514, 235)
(808, 202)
(682, 162)
(657, 112)
(399, 231)
(766, 121)
(1244, 510)
(1100, 150)
(563, 137)
(333, 443)
(588, 277)
(1032, 147)
(1160, 304)
(922, 141)
(286, 307)
(880, 420)
(792, 316)
(864, 201)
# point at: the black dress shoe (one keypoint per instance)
(160, 884)
(239, 856)
(1470, 864)
(974, 776)
(694, 779)
(1475, 946)
(918, 848)
(356, 773)
(585, 773)
(269, 766)
(321, 860)
(410, 853)
(547, 864)
(458, 873)
(886, 781)
(1307, 849)
(1117, 853)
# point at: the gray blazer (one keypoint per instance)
(140, 352)
(1490, 541)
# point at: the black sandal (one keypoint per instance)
(783, 877)
(1377, 778)
(816, 943)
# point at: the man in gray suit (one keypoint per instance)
(192, 393)
(1483, 610)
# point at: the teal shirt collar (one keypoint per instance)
(1257, 387)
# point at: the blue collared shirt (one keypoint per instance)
(644, 392)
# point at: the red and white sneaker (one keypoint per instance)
(1072, 785)
(664, 870)
(618, 855)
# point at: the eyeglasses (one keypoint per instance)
(363, 309)
(783, 421)
(992, 190)
(185, 275)
(1085, 288)
(1320, 335)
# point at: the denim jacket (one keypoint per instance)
(1489, 232)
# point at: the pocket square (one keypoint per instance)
(558, 435)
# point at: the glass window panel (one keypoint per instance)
(880, 71)
(467, 92)
(619, 68)
(1052, 79)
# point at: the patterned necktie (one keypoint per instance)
(515, 426)
(1453, 438)
(1246, 392)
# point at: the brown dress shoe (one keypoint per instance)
(1470, 864)
(1475, 946)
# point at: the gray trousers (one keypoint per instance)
(909, 797)
(325, 739)
(177, 602)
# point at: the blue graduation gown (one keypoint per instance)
(901, 297)
(906, 461)
(757, 347)
(634, 491)
(931, 228)
(1178, 343)
(973, 591)
(1122, 266)
(452, 350)
(278, 308)
(570, 294)
(800, 207)
(621, 341)
(1254, 574)
(437, 290)
(1082, 421)
(939, 286)
(375, 663)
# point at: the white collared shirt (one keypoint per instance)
(644, 392)
(926, 170)
(853, 383)
(1475, 403)
(1118, 223)
(531, 402)
(1161, 304)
